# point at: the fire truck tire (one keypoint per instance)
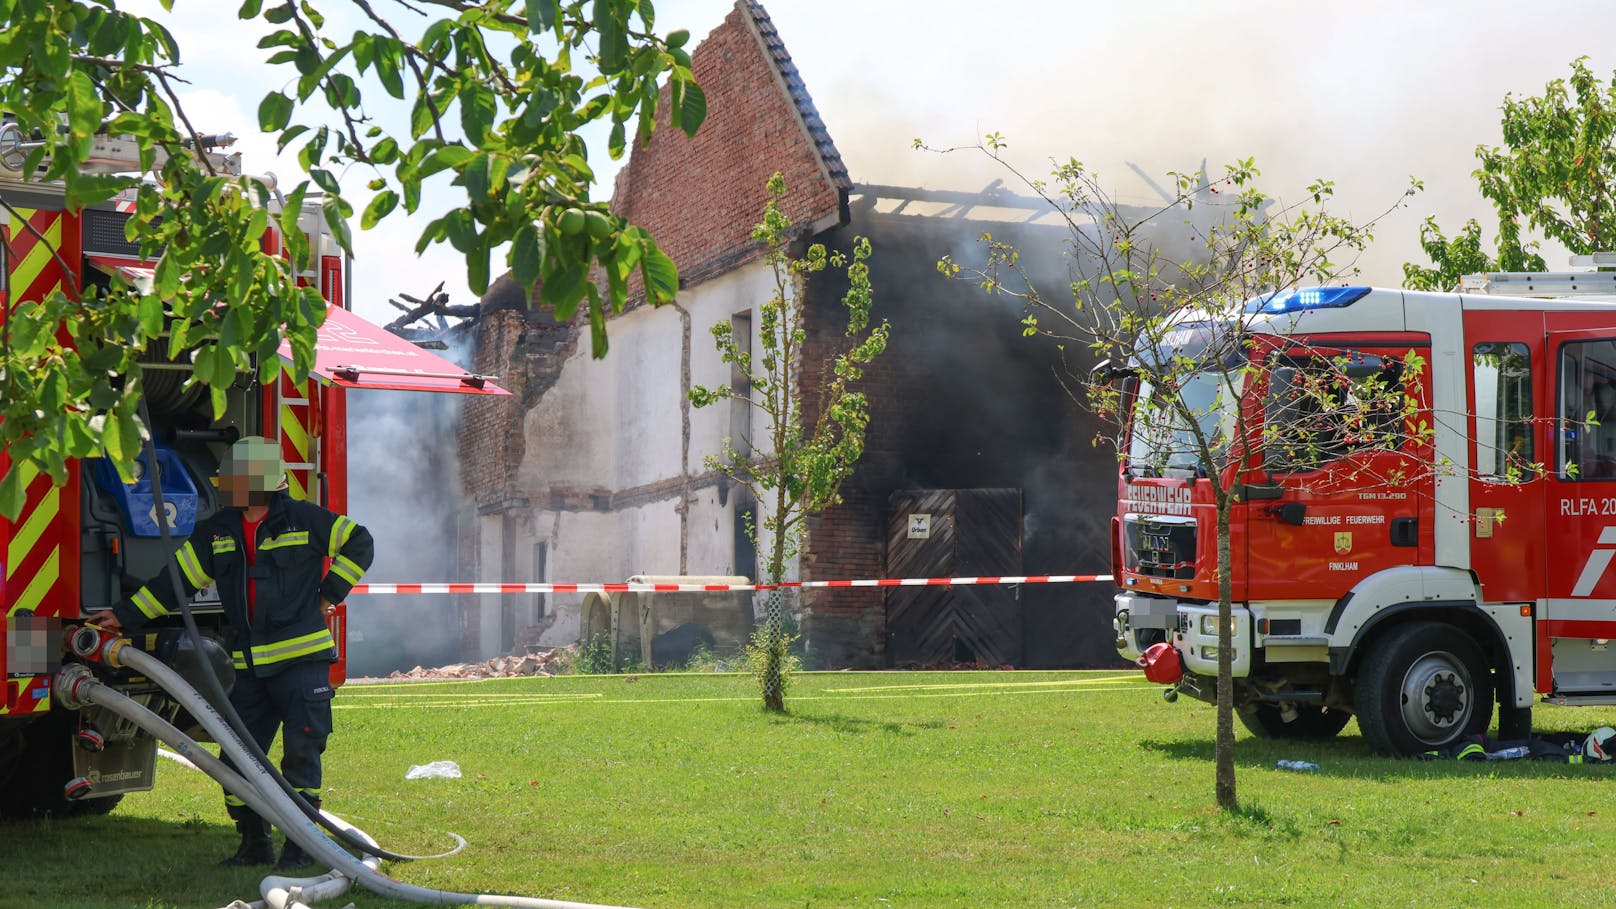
(42, 768)
(1311, 722)
(1421, 688)
(11, 743)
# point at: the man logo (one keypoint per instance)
(1343, 542)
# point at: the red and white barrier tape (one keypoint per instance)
(490, 587)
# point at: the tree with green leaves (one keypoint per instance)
(1183, 370)
(810, 452)
(1554, 178)
(494, 95)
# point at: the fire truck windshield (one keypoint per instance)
(1163, 440)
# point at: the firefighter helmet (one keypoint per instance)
(1600, 745)
(256, 460)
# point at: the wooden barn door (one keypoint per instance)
(954, 533)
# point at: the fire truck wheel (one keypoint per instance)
(1422, 687)
(11, 743)
(43, 766)
(1310, 722)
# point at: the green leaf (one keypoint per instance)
(541, 15)
(323, 179)
(477, 111)
(477, 269)
(113, 441)
(83, 106)
(151, 315)
(689, 113)
(527, 255)
(461, 229)
(597, 324)
(475, 179)
(289, 135)
(564, 288)
(379, 207)
(660, 274)
(52, 57)
(250, 9)
(612, 39)
(389, 68)
(92, 189)
(13, 492)
(385, 151)
(274, 112)
(617, 141)
(166, 280)
(444, 157)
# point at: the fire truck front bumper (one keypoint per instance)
(1197, 639)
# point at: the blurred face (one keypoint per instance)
(250, 474)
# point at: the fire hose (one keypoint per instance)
(76, 687)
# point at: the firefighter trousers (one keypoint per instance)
(295, 702)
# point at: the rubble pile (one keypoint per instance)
(541, 663)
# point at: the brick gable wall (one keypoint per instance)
(700, 196)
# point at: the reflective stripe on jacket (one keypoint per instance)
(287, 624)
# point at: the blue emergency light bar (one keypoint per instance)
(1278, 303)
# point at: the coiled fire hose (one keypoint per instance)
(76, 687)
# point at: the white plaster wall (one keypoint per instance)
(646, 427)
(710, 304)
(615, 424)
(712, 535)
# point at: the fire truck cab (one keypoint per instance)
(1413, 589)
(79, 548)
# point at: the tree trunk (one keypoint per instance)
(774, 630)
(1224, 746)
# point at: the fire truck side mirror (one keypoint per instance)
(1105, 372)
(1293, 513)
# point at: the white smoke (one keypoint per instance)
(404, 486)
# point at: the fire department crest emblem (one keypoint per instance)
(1343, 542)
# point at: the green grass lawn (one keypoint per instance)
(884, 790)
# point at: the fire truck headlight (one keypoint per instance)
(1209, 624)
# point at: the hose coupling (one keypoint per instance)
(97, 644)
(69, 681)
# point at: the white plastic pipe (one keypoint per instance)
(259, 790)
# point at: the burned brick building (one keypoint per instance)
(593, 470)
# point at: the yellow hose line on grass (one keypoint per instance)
(520, 701)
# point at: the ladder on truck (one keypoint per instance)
(1596, 278)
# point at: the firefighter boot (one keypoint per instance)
(292, 855)
(256, 846)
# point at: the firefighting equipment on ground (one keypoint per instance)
(1597, 747)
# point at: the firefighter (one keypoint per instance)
(267, 553)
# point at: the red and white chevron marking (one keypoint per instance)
(498, 588)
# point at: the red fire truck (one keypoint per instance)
(79, 548)
(1415, 605)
